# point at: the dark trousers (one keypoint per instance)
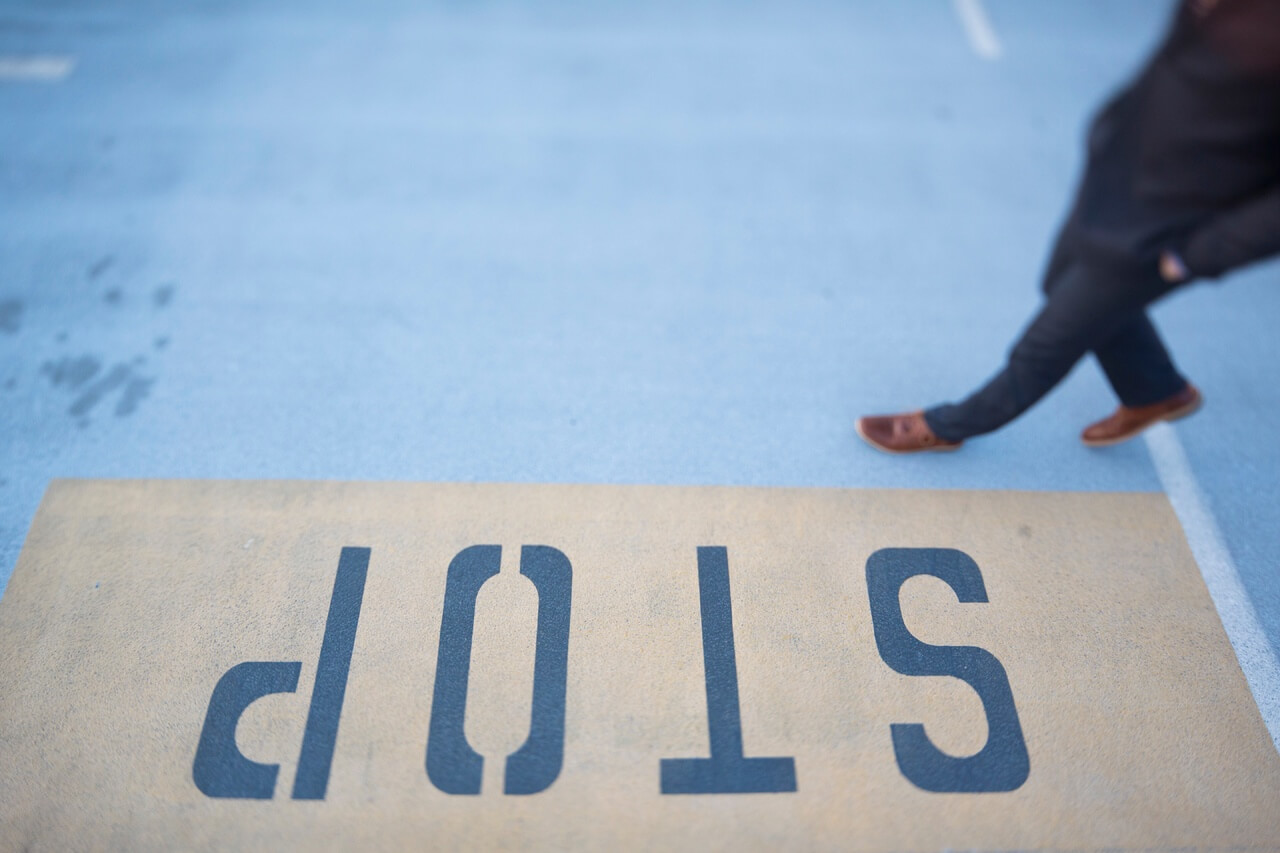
(1087, 308)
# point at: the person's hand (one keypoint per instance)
(1172, 269)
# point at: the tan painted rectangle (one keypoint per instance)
(131, 599)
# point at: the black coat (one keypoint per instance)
(1187, 157)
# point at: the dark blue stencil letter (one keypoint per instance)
(1002, 764)
(331, 676)
(452, 765)
(727, 771)
(220, 770)
(534, 766)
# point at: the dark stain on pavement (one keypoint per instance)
(135, 391)
(83, 376)
(96, 382)
(101, 265)
(10, 316)
(71, 372)
(93, 394)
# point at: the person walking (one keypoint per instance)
(1181, 183)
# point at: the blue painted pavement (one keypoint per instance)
(570, 242)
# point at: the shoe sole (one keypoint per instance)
(1175, 415)
(937, 448)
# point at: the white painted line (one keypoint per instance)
(977, 26)
(49, 69)
(1256, 657)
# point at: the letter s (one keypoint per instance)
(1002, 764)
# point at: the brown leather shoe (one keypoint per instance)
(907, 433)
(1125, 422)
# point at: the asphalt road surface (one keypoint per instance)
(572, 242)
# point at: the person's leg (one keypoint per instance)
(1135, 360)
(1137, 364)
(1085, 309)
(1061, 258)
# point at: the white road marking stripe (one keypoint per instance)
(39, 68)
(977, 26)
(1254, 652)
